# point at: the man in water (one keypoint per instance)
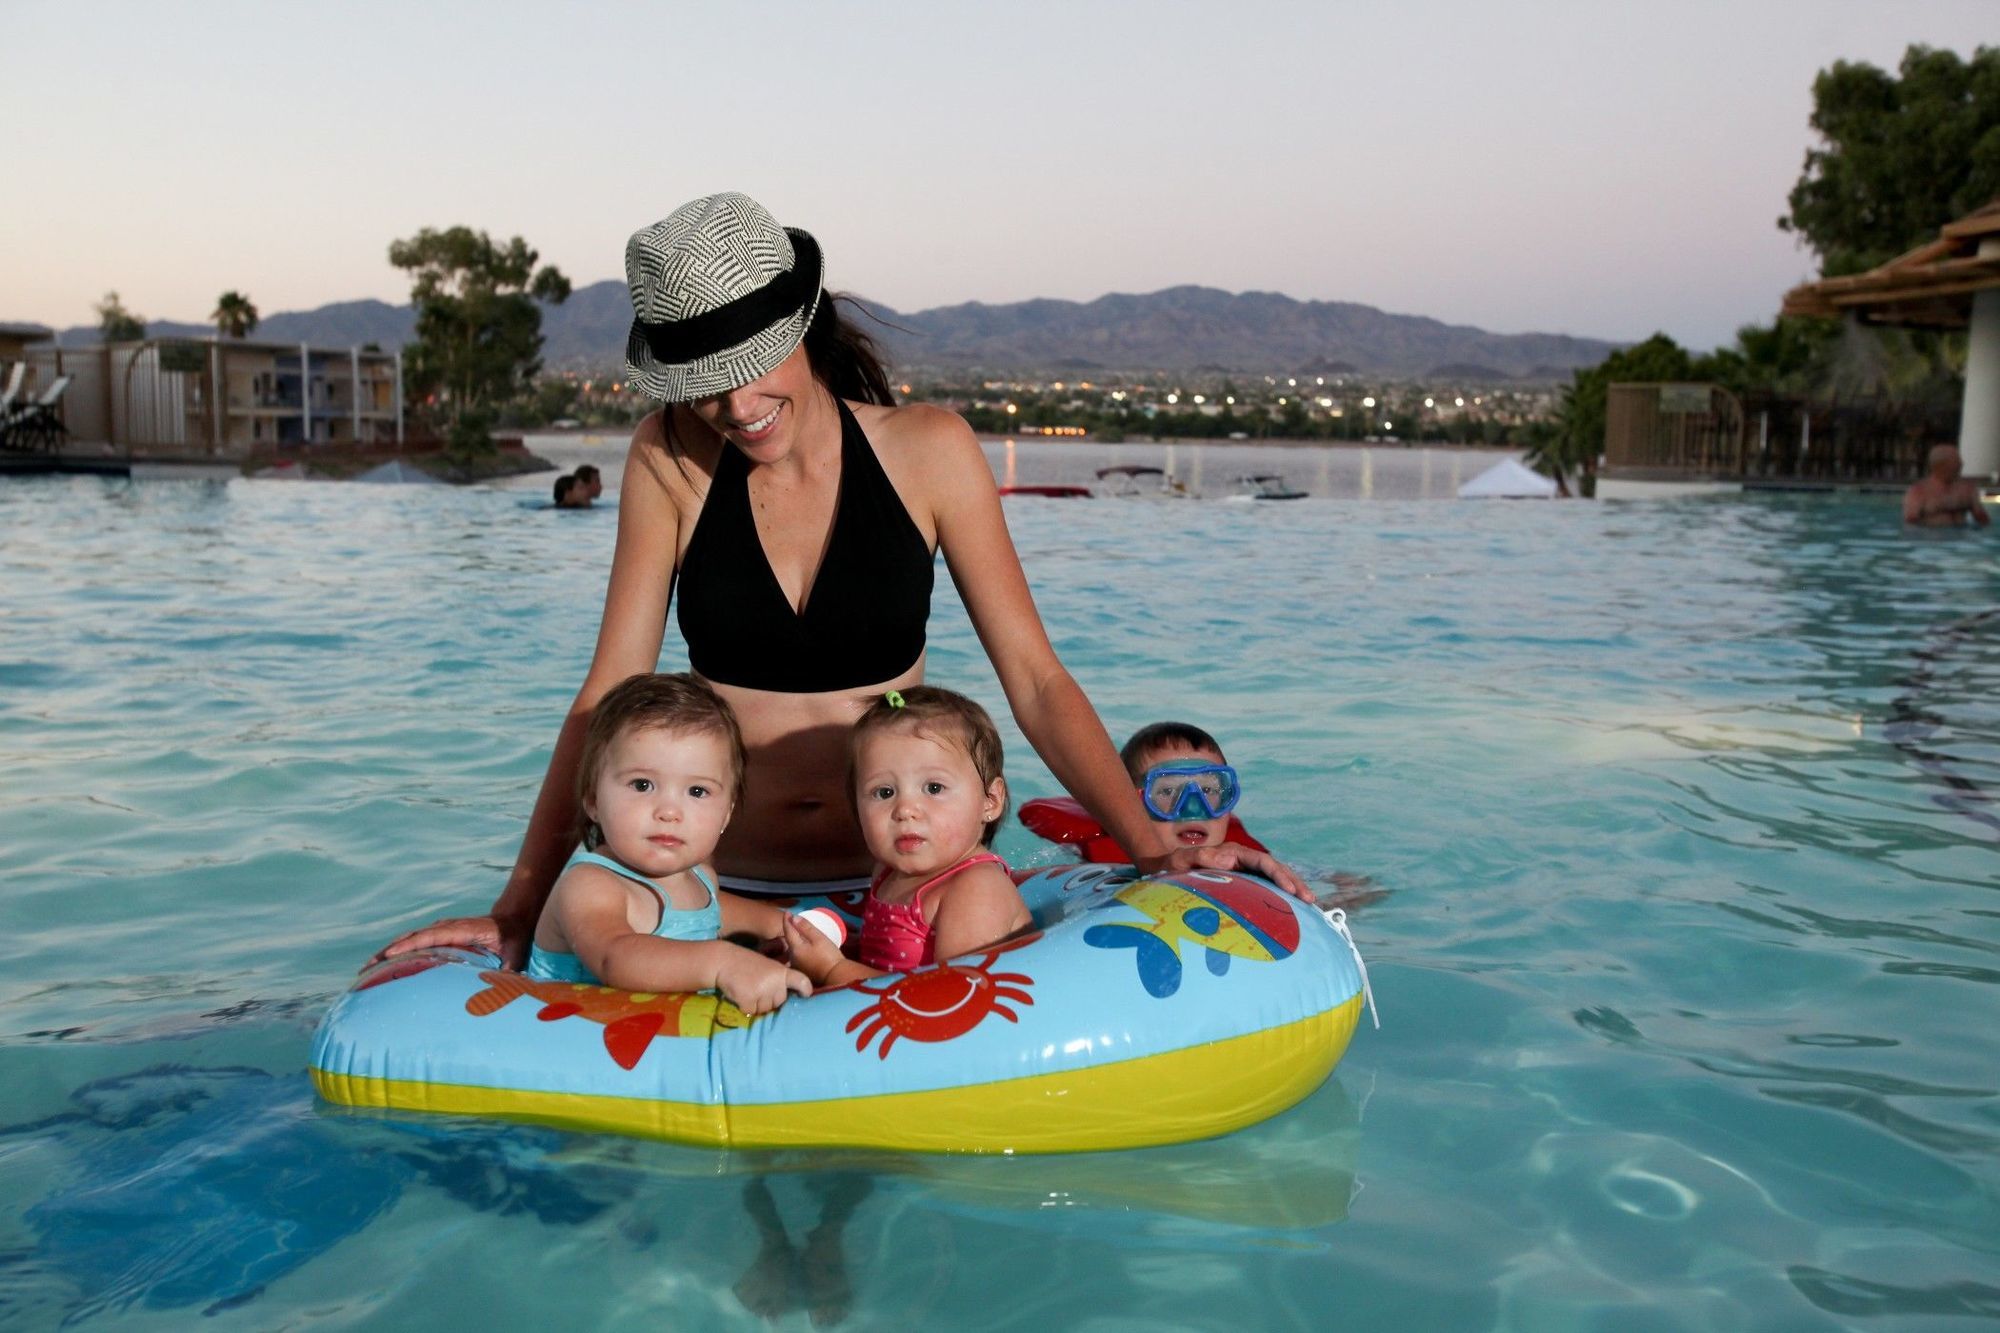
(1942, 498)
(589, 485)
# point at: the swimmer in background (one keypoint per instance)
(1943, 498)
(659, 776)
(929, 793)
(589, 485)
(573, 492)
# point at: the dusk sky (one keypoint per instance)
(1587, 168)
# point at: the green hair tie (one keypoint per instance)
(893, 698)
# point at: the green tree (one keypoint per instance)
(234, 315)
(116, 324)
(479, 329)
(1901, 155)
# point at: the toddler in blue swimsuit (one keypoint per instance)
(638, 909)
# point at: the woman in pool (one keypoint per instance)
(797, 509)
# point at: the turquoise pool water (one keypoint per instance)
(1687, 961)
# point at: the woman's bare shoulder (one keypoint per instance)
(679, 468)
(920, 437)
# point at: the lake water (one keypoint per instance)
(1688, 957)
(1209, 470)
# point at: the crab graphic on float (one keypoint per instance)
(940, 1002)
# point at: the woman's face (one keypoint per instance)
(760, 418)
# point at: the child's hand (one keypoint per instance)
(812, 953)
(756, 984)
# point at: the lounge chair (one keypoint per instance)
(35, 427)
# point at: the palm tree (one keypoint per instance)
(1548, 451)
(234, 316)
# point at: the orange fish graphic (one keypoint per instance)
(631, 1019)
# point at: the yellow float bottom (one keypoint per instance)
(1168, 1098)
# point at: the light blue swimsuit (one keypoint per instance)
(676, 923)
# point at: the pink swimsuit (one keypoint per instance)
(894, 936)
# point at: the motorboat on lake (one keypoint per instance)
(1136, 482)
(1266, 486)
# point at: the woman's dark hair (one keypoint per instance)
(844, 358)
(563, 483)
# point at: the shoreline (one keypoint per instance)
(1272, 442)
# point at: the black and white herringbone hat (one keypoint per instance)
(721, 294)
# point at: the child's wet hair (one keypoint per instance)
(653, 701)
(1156, 736)
(942, 714)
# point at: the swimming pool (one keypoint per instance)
(1687, 962)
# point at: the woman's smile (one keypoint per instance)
(754, 431)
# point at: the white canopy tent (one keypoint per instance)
(1508, 479)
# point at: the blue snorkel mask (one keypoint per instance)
(1189, 789)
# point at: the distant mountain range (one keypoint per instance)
(1182, 328)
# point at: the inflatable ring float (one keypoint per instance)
(1139, 1011)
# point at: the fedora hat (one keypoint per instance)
(721, 294)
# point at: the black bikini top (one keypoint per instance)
(864, 616)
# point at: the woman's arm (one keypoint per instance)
(628, 642)
(1047, 702)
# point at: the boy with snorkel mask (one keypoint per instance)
(1184, 780)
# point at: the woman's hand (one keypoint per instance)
(507, 938)
(1229, 856)
(756, 984)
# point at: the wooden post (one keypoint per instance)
(1979, 416)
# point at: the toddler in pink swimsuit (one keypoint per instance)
(929, 795)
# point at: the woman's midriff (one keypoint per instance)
(795, 820)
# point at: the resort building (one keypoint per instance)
(223, 397)
(15, 338)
